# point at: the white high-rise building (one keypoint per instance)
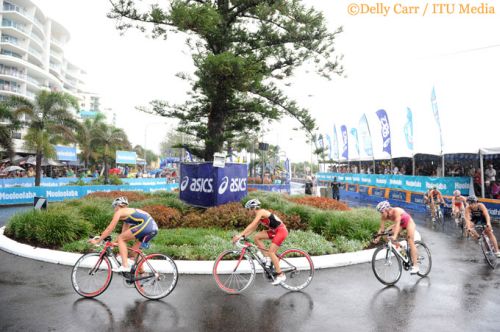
(32, 56)
(32, 53)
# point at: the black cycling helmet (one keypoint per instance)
(472, 199)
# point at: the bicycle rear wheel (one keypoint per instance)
(156, 276)
(386, 265)
(298, 267)
(487, 248)
(424, 259)
(233, 271)
(91, 275)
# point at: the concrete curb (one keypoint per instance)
(184, 267)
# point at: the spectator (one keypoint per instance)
(335, 189)
(31, 172)
(495, 190)
(477, 182)
(308, 186)
(490, 174)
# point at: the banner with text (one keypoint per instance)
(385, 130)
(345, 142)
(405, 182)
(10, 196)
(65, 153)
(201, 184)
(126, 157)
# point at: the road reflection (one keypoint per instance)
(92, 314)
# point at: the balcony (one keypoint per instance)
(6, 23)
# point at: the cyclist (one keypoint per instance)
(402, 220)
(435, 197)
(276, 231)
(458, 203)
(137, 224)
(477, 213)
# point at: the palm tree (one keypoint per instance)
(110, 139)
(48, 120)
(8, 123)
(84, 138)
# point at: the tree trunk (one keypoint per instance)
(215, 140)
(38, 168)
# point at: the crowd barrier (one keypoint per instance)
(61, 182)
(23, 195)
(419, 184)
(403, 198)
(283, 188)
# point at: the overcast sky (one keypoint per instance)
(391, 62)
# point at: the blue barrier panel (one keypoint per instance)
(403, 182)
(378, 192)
(204, 185)
(9, 196)
(417, 198)
(398, 195)
(364, 189)
(60, 182)
(352, 188)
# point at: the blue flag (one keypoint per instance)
(345, 142)
(436, 114)
(366, 138)
(354, 133)
(335, 144)
(408, 129)
(385, 130)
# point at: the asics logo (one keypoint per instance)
(184, 183)
(223, 185)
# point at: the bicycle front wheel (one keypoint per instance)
(298, 268)
(424, 259)
(91, 275)
(233, 271)
(156, 276)
(487, 248)
(386, 265)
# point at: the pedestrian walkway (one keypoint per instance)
(184, 267)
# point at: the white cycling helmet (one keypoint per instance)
(456, 193)
(252, 204)
(120, 201)
(382, 206)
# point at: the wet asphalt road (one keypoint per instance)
(461, 294)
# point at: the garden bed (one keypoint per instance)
(318, 225)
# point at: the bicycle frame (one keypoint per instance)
(406, 260)
(251, 248)
(108, 251)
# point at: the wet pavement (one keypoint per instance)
(461, 294)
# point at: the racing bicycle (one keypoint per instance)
(153, 275)
(390, 258)
(234, 270)
(486, 246)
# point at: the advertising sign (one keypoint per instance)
(66, 153)
(126, 157)
(202, 184)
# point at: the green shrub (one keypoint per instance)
(97, 215)
(343, 244)
(313, 243)
(50, 228)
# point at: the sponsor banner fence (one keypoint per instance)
(282, 188)
(9, 196)
(60, 182)
(404, 182)
(201, 184)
